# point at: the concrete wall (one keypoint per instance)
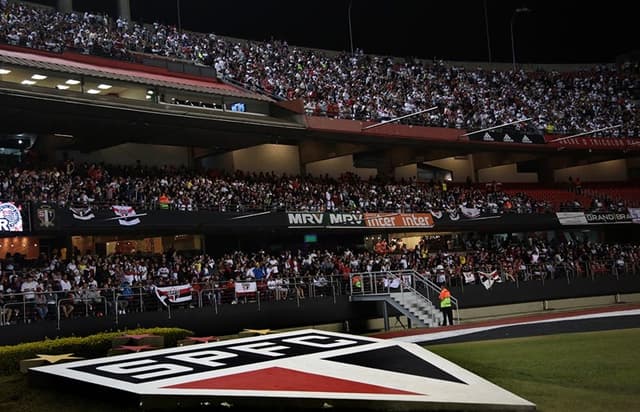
(460, 167)
(406, 172)
(506, 173)
(130, 153)
(223, 162)
(337, 166)
(268, 158)
(633, 162)
(613, 170)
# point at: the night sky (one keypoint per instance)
(561, 31)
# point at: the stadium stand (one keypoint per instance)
(63, 283)
(94, 285)
(357, 86)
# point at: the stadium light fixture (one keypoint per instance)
(513, 42)
(350, 31)
(179, 12)
(400, 118)
(559, 139)
(72, 82)
(93, 91)
(5, 71)
(497, 127)
(104, 86)
(62, 86)
(38, 77)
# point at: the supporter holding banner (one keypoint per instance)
(468, 275)
(245, 288)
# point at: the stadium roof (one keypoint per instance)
(127, 74)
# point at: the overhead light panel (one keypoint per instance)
(104, 86)
(93, 91)
(72, 82)
(38, 77)
(28, 82)
(148, 97)
(63, 86)
(149, 91)
(5, 71)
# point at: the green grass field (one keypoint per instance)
(596, 371)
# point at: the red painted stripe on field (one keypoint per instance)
(507, 321)
(282, 379)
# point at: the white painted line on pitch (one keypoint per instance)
(428, 337)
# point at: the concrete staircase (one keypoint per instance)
(416, 307)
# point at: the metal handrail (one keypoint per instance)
(437, 289)
(415, 277)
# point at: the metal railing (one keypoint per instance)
(114, 304)
(107, 302)
(380, 283)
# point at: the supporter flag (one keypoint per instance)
(174, 294)
(470, 212)
(82, 213)
(10, 218)
(126, 215)
(469, 277)
(245, 288)
(488, 279)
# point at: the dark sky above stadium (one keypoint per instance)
(561, 31)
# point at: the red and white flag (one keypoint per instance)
(174, 294)
(488, 279)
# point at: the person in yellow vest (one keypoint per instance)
(163, 200)
(356, 282)
(445, 307)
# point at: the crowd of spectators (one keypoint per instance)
(100, 285)
(146, 188)
(355, 86)
(101, 186)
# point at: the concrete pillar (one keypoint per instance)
(65, 6)
(124, 9)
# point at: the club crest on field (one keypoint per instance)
(308, 366)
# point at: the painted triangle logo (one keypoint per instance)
(307, 366)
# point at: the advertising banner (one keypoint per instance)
(508, 137)
(328, 219)
(398, 220)
(593, 218)
(608, 217)
(594, 142)
(571, 218)
(359, 220)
